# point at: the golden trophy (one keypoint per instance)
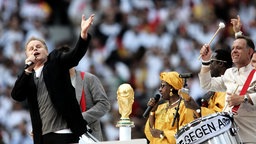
(125, 99)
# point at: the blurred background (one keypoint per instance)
(133, 41)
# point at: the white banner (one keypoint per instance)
(203, 130)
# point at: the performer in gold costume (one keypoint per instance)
(158, 128)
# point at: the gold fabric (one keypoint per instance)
(172, 78)
(163, 121)
(215, 104)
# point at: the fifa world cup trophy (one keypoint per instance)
(125, 99)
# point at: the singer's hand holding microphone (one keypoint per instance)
(29, 63)
(152, 105)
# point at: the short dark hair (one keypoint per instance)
(38, 39)
(224, 54)
(248, 41)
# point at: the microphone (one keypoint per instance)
(28, 64)
(149, 108)
(186, 75)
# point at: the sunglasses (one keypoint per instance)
(212, 60)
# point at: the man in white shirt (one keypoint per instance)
(232, 82)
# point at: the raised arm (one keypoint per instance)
(237, 25)
(85, 24)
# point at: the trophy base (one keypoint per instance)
(125, 123)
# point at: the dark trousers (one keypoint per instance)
(54, 138)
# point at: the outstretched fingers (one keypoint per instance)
(85, 24)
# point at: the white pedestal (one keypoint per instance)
(125, 128)
(125, 133)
